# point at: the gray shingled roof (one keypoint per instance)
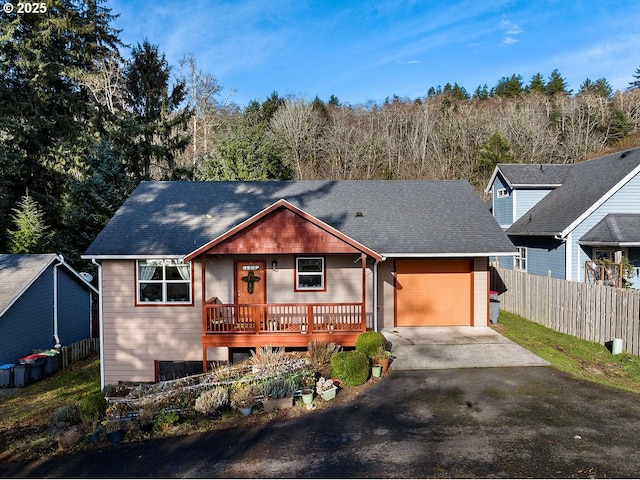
(584, 185)
(537, 174)
(17, 272)
(407, 217)
(614, 230)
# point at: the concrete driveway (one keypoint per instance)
(434, 348)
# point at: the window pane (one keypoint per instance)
(309, 265)
(150, 292)
(149, 270)
(310, 281)
(178, 292)
(178, 272)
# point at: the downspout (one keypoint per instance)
(100, 333)
(60, 259)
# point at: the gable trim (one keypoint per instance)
(599, 202)
(284, 204)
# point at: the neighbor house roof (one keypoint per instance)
(614, 230)
(534, 175)
(390, 217)
(19, 271)
(587, 185)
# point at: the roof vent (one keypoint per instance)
(358, 214)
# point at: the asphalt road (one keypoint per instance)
(484, 422)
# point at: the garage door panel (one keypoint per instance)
(433, 292)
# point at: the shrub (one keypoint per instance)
(370, 343)
(69, 413)
(211, 400)
(352, 367)
(92, 407)
(243, 396)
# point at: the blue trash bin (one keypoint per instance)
(6, 375)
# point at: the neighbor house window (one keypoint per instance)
(520, 260)
(163, 281)
(503, 192)
(309, 273)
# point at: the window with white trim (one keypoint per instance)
(309, 273)
(503, 192)
(520, 260)
(163, 280)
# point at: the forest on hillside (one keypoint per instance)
(80, 127)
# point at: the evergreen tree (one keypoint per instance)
(32, 233)
(537, 84)
(493, 151)
(636, 83)
(557, 84)
(153, 131)
(508, 87)
(45, 111)
(481, 93)
(600, 87)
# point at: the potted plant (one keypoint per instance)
(115, 434)
(165, 420)
(382, 358)
(278, 393)
(326, 388)
(243, 397)
(376, 370)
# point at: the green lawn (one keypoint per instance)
(582, 359)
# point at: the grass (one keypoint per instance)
(582, 359)
(26, 413)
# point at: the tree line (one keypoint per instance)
(80, 127)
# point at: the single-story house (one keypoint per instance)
(44, 303)
(192, 270)
(561, 216)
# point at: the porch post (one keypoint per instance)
(363, 261)
(203, 263)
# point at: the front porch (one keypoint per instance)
(281, 324)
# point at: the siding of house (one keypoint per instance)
(625, 200)
(480, 289)
(343, 280)
(544, 254)
(525, 199)
(502, 207)
(386, 295)
(74, 309)
(28, 324)
(134, 337)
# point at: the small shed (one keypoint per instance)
(44, 303)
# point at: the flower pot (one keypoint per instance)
(384, 363)
(115, 437)
(307, 396)
(329, 394)
(245, 411)
(376, 371)
(94, 437)
(272, 404)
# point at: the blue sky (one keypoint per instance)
(364, 51)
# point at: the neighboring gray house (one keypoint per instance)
(43, 303)
(560, 216)
(192, 270)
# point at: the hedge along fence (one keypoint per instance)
(596, 313)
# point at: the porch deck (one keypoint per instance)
(286, 325)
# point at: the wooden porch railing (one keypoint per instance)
(289, 318)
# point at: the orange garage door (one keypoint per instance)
(433, 292)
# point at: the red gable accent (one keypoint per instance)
(282, 231)
(282, 228)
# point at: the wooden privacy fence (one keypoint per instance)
(78, 351)
(596, 313)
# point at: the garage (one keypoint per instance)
(435, 292)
